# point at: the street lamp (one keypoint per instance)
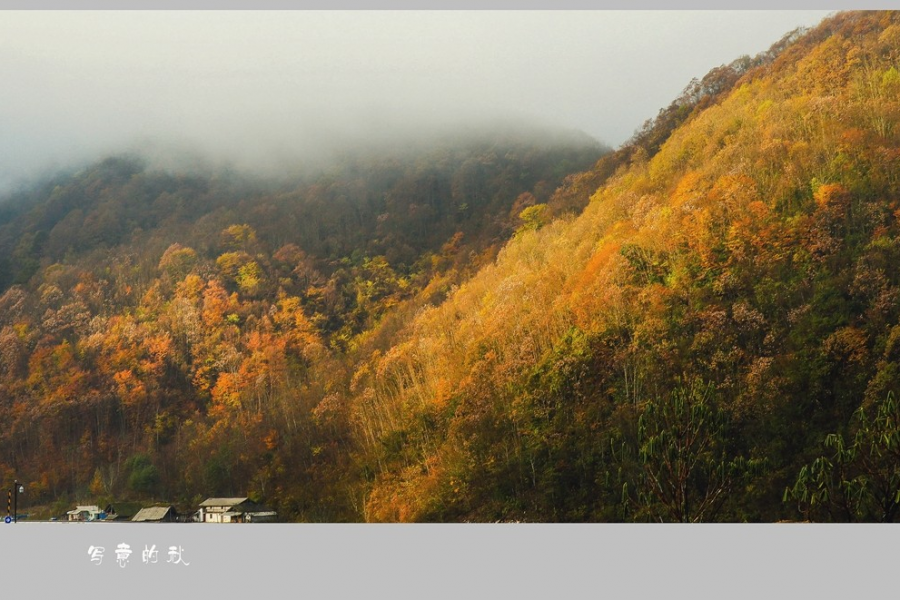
(19, 489)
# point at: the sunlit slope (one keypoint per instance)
(750, 266)
(174, 336)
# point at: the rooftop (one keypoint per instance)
(79, 509)
(223, 501)
(152, 513)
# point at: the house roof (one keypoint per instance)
(223, 501)
(127, 509)
(81, 509)
(152, 513)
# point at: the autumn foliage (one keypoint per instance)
(703, 325)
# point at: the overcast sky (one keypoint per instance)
(254, 86)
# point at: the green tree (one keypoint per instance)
(533, 218)
(143, 477)
(859, 480)
(680, 467)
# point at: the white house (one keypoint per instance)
(86, 513)
(233, 510)
(221, 510)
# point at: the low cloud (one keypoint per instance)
(268, 90)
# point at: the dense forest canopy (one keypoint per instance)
(169, 293)
(699, 326)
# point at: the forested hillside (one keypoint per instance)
(684, 348)
(171, 336)
(700, 326)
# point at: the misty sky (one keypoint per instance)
(269, 87)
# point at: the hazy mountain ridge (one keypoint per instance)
(111, 270)
(359, 347)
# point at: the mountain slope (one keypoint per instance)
(680, 350)
(168, 335)
(702, 326)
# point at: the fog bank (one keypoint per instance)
(270, 89)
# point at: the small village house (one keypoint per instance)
(156, 514)
(86, 513)
(233, 510)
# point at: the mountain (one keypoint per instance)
(712, 338)
(158, 327)
(699, 326)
